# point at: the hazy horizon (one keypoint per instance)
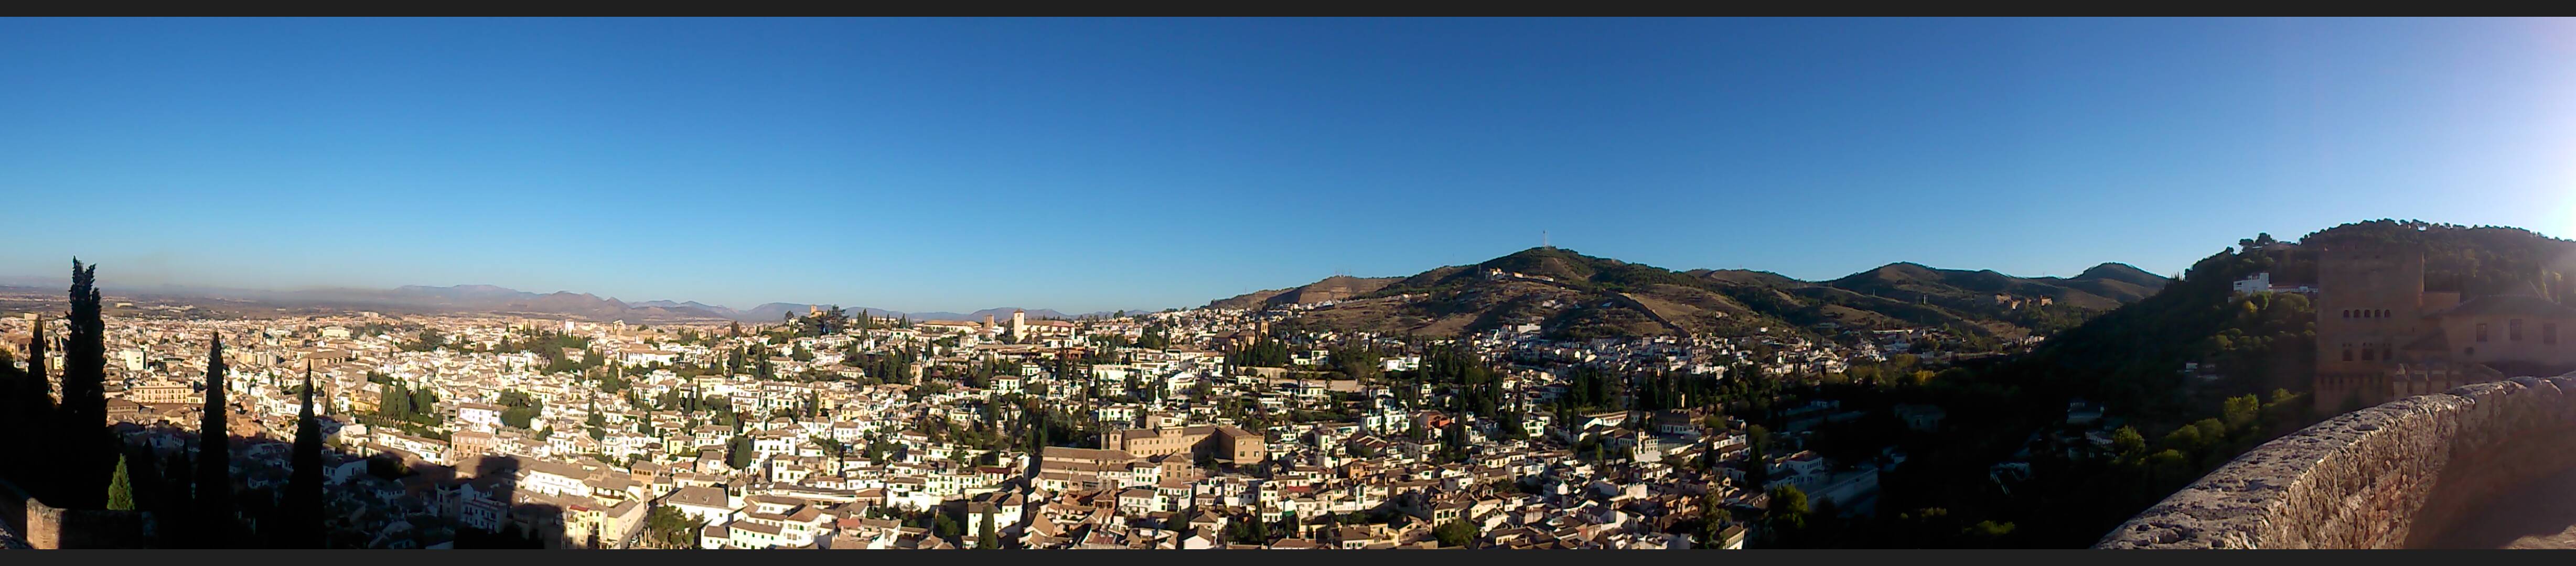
(19, 279)
(1097, 165)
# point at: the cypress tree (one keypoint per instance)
(120, 489)
(32, 407)
(87, 449)
(991, 539)
(177, 492)
(302, 508)
(41, 388)
(214, 489)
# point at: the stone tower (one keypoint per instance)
(1019, 325)
(2370, 300)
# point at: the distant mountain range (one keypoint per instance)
(1577, 296)
(503, 300)
(490, 298)
(1566, 293)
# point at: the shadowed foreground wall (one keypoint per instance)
(46, 527)
(2392, 476)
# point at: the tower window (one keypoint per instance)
(2482, 332)
(2549, 333)
(2368, 353)
(2347, 354)
(2513, 330)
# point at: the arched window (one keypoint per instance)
(2482, 332)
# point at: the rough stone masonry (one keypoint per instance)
(2392, 476)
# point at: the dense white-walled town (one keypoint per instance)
(1190, 429)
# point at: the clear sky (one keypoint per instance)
(1104, 164)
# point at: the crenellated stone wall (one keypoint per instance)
(2392, 476)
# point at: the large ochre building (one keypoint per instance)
(2381, 336)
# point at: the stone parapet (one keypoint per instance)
(2391, 476)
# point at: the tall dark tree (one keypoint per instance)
(214, 491)
(33, 412)
(177, 485)
(87, 449)
(990, 538)
(302, 508)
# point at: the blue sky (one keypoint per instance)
(1104, 164)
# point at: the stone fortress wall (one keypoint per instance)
(46, 527)
(2397, 475)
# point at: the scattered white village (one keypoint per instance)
(1184, 429)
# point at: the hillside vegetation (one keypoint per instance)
(1573, 296)
(2172, 428)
